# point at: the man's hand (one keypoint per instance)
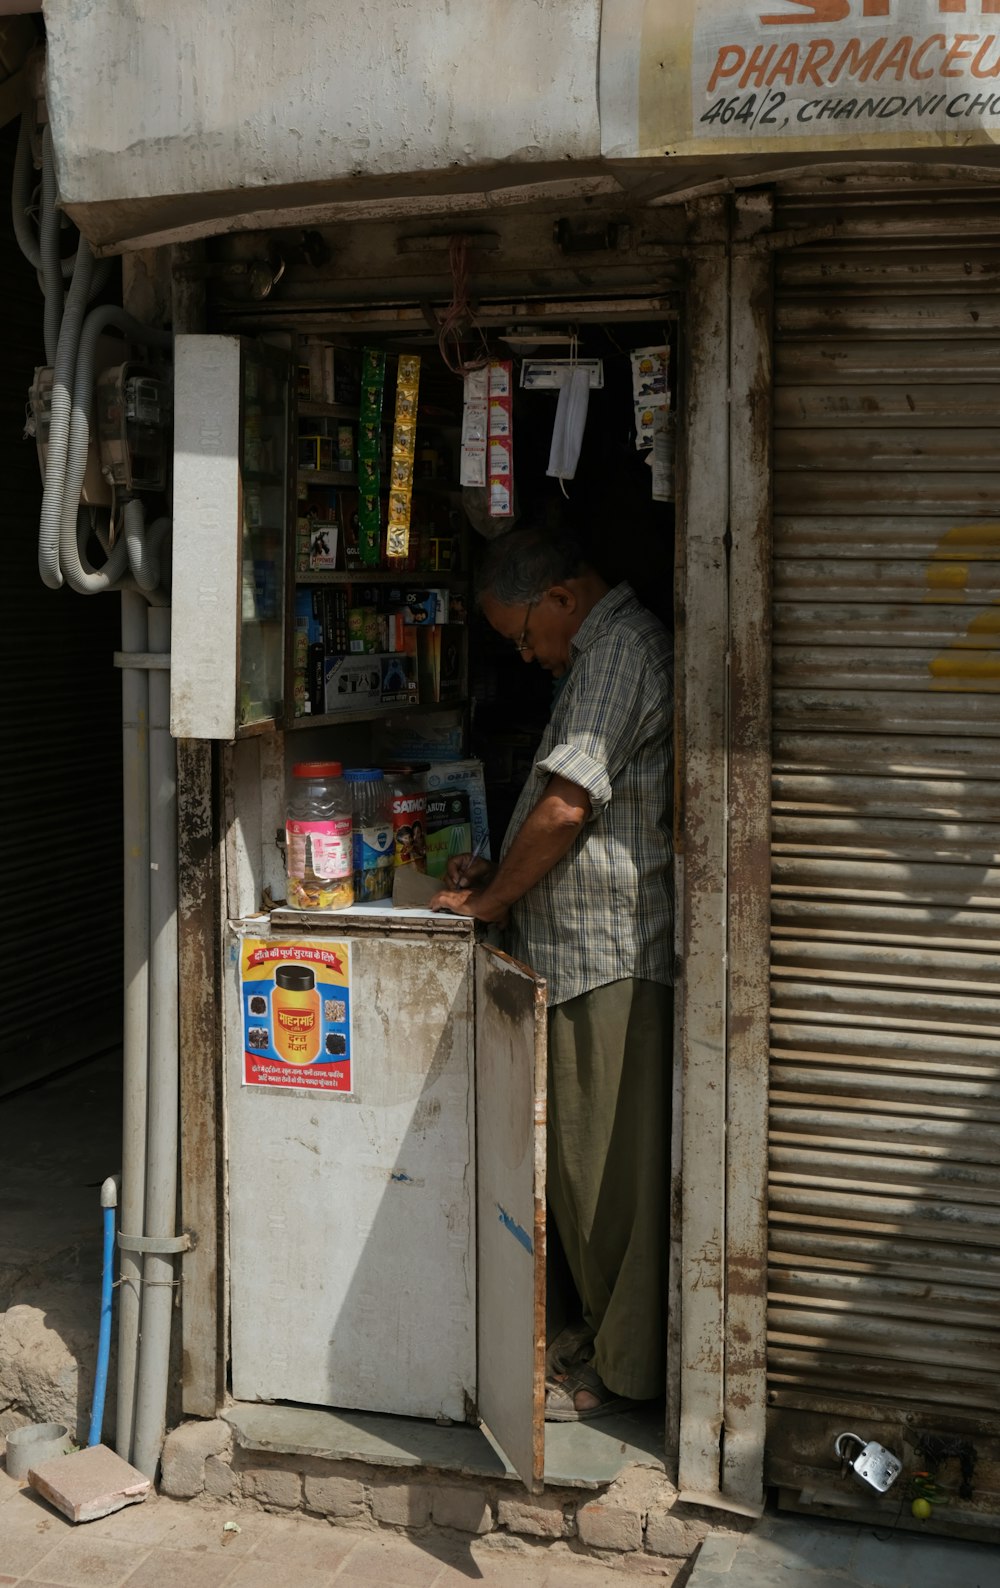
(463, 872)
(476, 902)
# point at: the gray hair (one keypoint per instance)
(520, 566)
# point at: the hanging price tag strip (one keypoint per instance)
(369, 456)
(404, 439)
(500, 438)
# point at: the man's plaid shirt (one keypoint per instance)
(606, 910)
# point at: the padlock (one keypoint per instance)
(875, 1465)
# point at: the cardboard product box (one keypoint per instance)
(352, 682)
(400, 685)
(362, 630)
(449, 828)
(334, 606)
(441, 653)
(345, 448)
(323, 537)
(467, 775)
(425, 607)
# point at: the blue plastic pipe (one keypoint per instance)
(109, 1202)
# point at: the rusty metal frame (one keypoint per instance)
(723, 854)
(749, 850)
(702, 643)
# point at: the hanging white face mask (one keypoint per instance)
(571, 418)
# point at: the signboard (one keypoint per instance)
(296, 999)
(682, 77)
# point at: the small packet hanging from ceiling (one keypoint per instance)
(500, 435)
(404, 445)
(650, 390)
(369, 455)
(474, 428)
(661, 459)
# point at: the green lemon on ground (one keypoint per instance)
(921, 1509)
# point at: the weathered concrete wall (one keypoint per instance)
(148, 99)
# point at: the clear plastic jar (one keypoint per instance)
(409, 813)
(318, 838)
(373, 834)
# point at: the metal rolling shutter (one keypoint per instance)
(884, 1202)
(60, 790)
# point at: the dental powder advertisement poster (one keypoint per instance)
(296, 999)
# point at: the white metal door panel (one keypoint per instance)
(884, 1205)
(510, 1175)
(352, 1255)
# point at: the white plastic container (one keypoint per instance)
(373, 834)
(319, 851)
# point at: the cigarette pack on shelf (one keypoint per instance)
(441, 657)
(362, 630)
(352, 683)
(335, 614)
(467, 775)
(303, 536)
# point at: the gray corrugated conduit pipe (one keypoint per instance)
(77, 572)
(143, 545)
(59, 421)
(52, 281)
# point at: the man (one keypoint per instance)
(584, 880)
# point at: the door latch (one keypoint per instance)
(874, 1465)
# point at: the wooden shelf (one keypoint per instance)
(334, 477)
(331, 719)
(326, 477)
(311, 409)
(423, 576)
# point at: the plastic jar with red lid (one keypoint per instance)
(318, 838)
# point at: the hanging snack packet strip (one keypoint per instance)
(369, 456)
(404, 441)
(650, 391)
(500, 433)
(474, 412)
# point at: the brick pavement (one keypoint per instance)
(166, 1543)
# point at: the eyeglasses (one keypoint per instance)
(521, 644)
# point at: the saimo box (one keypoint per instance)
(467, 775)
(352, 682)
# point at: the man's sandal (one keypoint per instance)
(561, 1393)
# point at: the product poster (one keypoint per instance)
(297, 1014)
(683, 77)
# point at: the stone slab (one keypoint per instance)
(89, 1483)
(586, 1455)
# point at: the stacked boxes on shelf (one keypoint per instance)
(360, 646)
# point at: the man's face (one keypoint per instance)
(540, 630)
